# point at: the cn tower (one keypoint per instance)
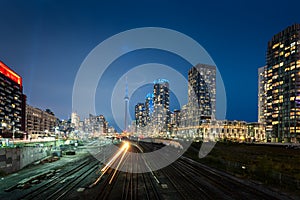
(126, 98)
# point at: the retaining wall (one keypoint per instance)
(14, 159)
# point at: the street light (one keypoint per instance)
(13, 136)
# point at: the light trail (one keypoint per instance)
(126, 145)
(123, 149)
(116, 169)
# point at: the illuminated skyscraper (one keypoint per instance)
(140, 115)
(201, 93)
(161, 93)
(12, 103)
(282, 86)
(149, 106)
(261, 94)
(161, 99)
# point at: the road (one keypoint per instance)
(89, 178)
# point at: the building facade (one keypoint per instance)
(224, 130)
(161, 98)
(40, 122)
(161, 93)
(261, 94)
(140, 115)
(149, 106)
(75, 120)
(256, 132)
(201, 105)
(175, 121)
(95, 126)
(12, 103)
(281, 108)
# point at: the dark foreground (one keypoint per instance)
(184, 179)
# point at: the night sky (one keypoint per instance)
(46, 42)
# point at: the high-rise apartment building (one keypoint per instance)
(95, 125)
(161, 99)
(161, 93)
(261, 94)
(201, 93)
(149, 106)
(282, 86)
(175, 120)
(140, 115)
(12, 103)
(75, 120)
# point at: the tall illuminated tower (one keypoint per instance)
(161, 102)
(281, 86)
(126, 98)
(202, 93)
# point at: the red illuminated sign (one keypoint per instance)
(10, 74)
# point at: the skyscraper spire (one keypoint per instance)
(126, 98)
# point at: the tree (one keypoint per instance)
(49, 111)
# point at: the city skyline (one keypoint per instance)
(48, 60)
(149, 100)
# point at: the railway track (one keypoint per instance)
(63, 181)
(192, 180)
(183, 179)
(112, 176)
(51, 189)
(184, 186)
(63, 191)
(46, 185)
(134, 185)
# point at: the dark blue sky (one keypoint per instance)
(46, 41)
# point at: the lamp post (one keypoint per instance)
(13, 132)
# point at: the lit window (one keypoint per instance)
(292, 99)
(281, 64)
(275, 45)
(293, 44)
(293, 48)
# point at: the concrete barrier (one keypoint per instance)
(14, 159)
